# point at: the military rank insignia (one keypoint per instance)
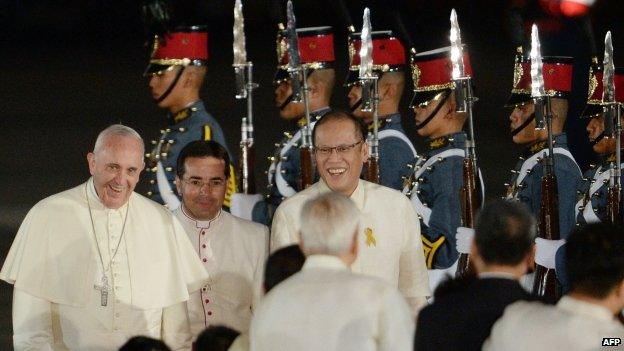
(370, 237)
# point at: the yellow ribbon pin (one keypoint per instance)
(370, 238)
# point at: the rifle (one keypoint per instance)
(464, 101)
(612, 129)
(545, 282)
(299, 73)
(370, 97)
(243, 71)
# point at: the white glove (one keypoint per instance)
(242, 205)
(545, 251)
(463, 239)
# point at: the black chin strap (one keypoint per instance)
(356, 105)
(433, 113)
(171, 86)
(523, 125)
(286, 102)
(598, 139)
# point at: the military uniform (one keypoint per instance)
(396, 151)
(592, 192)
(526, 178)
(434, 189)
(190, 124)
(183, 47)
(435, 183)
(316, 50)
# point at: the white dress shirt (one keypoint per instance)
(326, 307)
(570, 325)
(45, 314)
(233, 251)
(389, 246)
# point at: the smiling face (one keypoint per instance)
(291, 111)
(115, 168)
(340, 169)
(203, 186)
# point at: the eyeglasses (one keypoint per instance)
(340, 149)
(197, 184)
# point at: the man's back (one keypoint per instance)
(571, 325)
(325, 307)
(465, 309)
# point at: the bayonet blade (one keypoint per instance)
(608, 86)
(293, 42)
(366, 49)
(457, 54)
(537, 79)
(240, 53)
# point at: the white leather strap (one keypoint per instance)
(164, 187)
(421, 209)
(530, 162)
(392, 133)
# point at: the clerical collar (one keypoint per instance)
(198, 223)
(183, 114)
(98, 202)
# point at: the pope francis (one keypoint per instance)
(97, 264)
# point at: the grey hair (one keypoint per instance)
(115, 130)
(328, 224)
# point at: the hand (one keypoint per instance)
(545, 251)
(463, 239)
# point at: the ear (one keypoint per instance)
(178, 184)
(475, 256)
(450, 112)
(530, 260)
(364, 150)
(91, 162)
(387, 91)
(315, 89)
(354, 245)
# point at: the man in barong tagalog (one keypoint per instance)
(98, 264)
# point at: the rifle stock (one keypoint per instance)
(614, 203)
(469, 205)
(372, 170)
(307, 167)
(545, 283)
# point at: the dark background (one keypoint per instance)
(70, 68)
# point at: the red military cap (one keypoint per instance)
(388, 55)
(316, 50)
(594, 94)
(557, 72)
(185, 46)
(432, 73)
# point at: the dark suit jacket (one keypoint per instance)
(464, 312)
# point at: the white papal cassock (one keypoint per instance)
(389, 246)
(55, 268)
(326, 307)
(233, 251)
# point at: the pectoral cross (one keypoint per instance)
(103, 289)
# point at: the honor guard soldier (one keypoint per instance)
(316, 50)
(434, 186)
(395, 149)
(526, 180)
(592, 204)
(177, 69)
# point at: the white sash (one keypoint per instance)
(532, 161)
(392, 133)
(164, 187)
(275, 170)
(422, 210)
